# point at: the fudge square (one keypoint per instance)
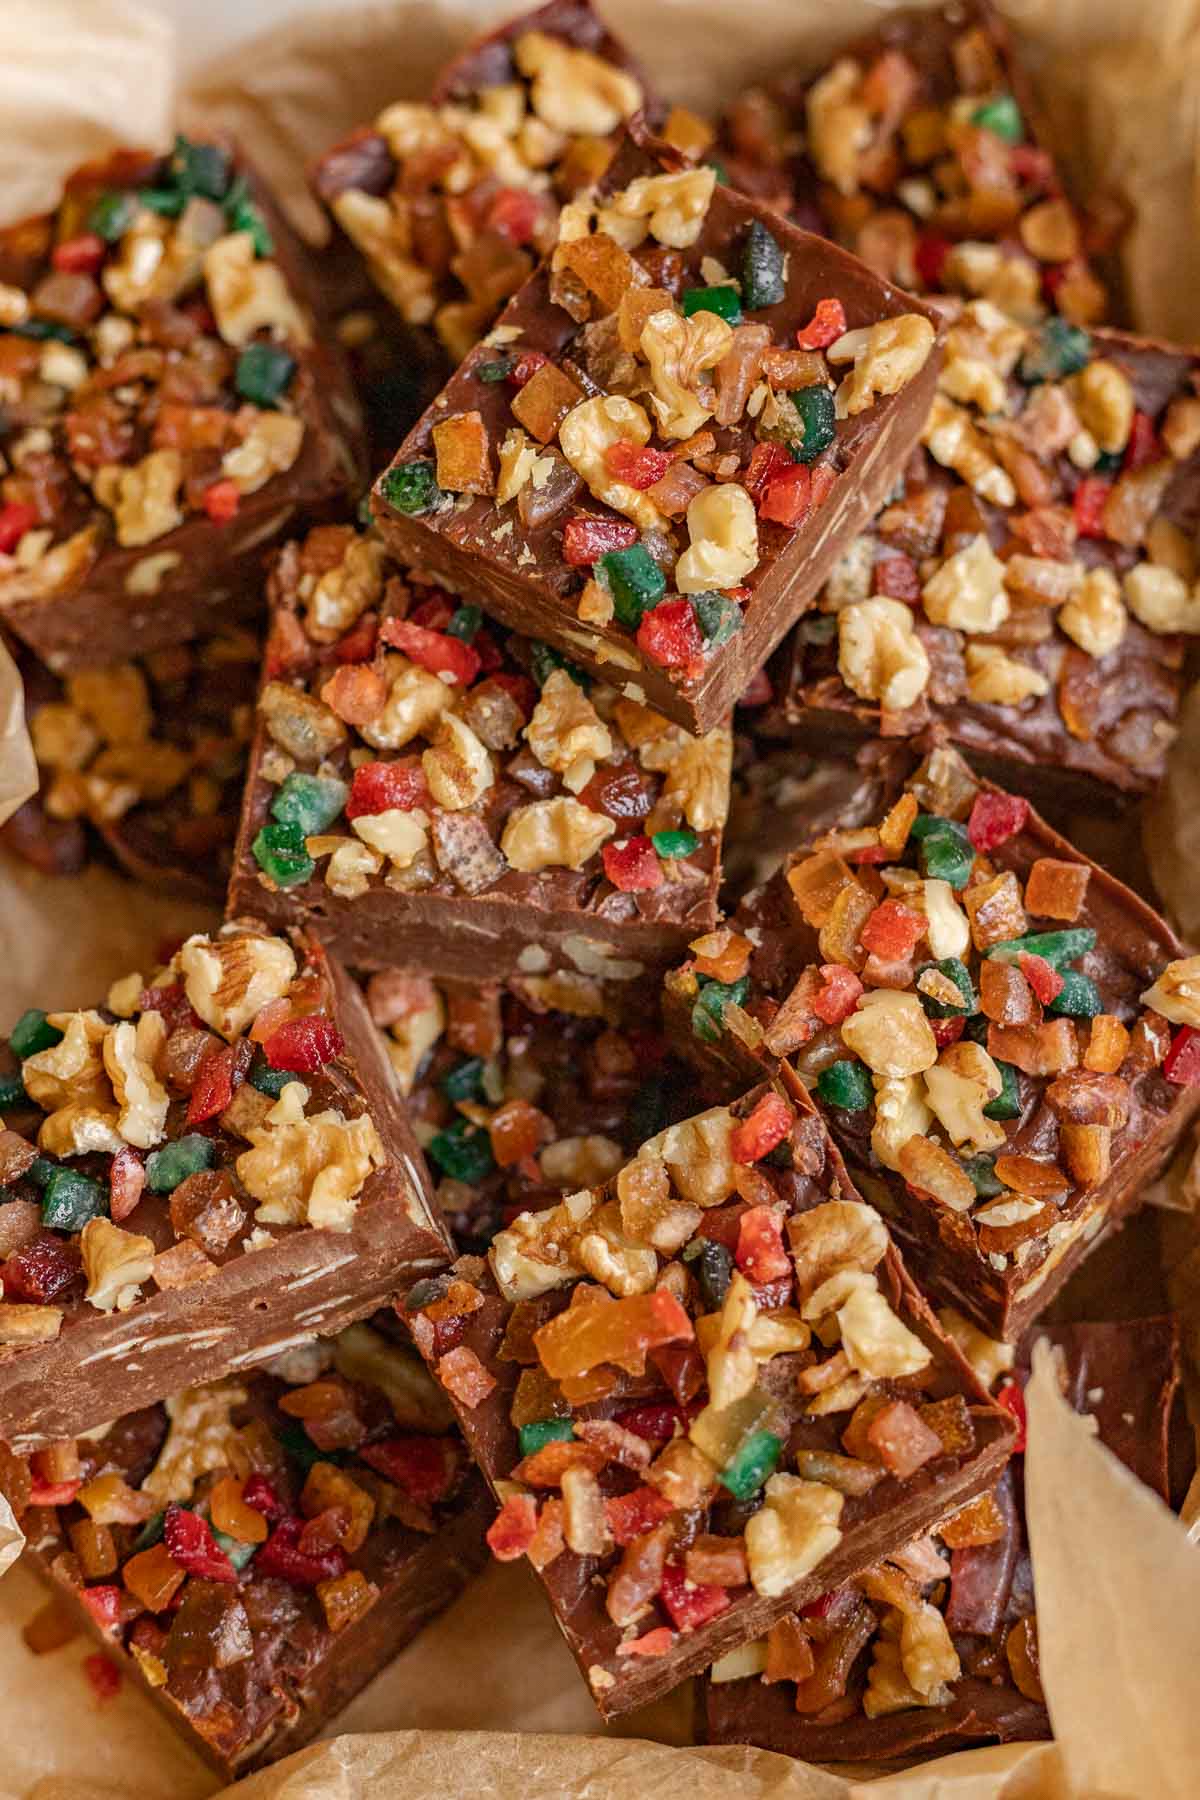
(656, 1375)
(429, 788)
(209, 1166)
(936, 1647)
(923, 154)
(254, 1550)
(451, 202)
(678, 425)
(168, 406)
(1028, 587)
(1001, 1037)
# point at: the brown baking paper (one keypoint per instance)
(488, 1702)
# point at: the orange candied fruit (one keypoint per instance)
(615, 1331)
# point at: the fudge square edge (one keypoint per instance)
(796, 471)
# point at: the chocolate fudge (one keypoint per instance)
(151, 754)
(252, 1551)
(209, 1166)
(169, 406)
(998, 1033)
(429, 788)
(677, 426)
(920, 148)
(936, 1648)
(452, 202)
(1027, 588)
(654, 1374)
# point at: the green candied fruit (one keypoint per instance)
(634, 581)
(166, 1168)
(200, 169)
(763, 264)
(112, 214)
(70, 1199)
(542, 1432)
(465, 1081)
(279, 852)
(463, 1152)
(40, 1170)
(648, 1112)
(815, 407)
(722, 300)
(982, 1170)
(310, 801)
(718, 617)
(1079, 997)
(1058, 948)
(708, 1013)
(295, 1442)
(268, 1080)
(945, 851)
(712, 1265)
(671, 844)
(960, 975)
(465, 622)
(167, 202)
(239, 1553)
(1007, 1104)
(493, 372)
(31, 1033)
(243, 214)
(846, 1084)
(750, 1467)
(1001, 116)
(544, 659)
(151, 1532)
(410, 487)
(264, 373)
(1057, 350)
(12, 1092)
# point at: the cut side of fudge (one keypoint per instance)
(170, 406)
(936, 1648)
(655, 1374)
(1001, 1037)
(677, 426)
(1027, 589)
(252, 1551)
(451, 202)
(212, 1165)
(428, 787)
(924, 154)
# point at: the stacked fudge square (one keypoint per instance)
(711, 1228)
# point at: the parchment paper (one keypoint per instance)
(490, 1687)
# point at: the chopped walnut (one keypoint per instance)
(672, 207)
(732, 1366)
(895, 352)
(960, 1084)
(116, 1263)
(891, 1033)
(1176, 993)
(62, 737)
(679, 350)
(29, 1324)
(403, 837)
(837, 1236)
(416, 700)
(1094, 617)
(1104, 399)
(457, 766)
(697, 1155)
(78, 1128)
(269, 448)
(517, 458)
(146, 499)
(795, 1529)
(554, 834)
(536, 1252)
(413, 1036)
(350, 867)
(200, 1439)
(371, 223)
(987, 1356)
(573, 90)
(995, 679)
(698, 778)
(839, 125)
(1160, 599)
(880, 656)
(229, 979)
(71, 1071)
(877, 1342)
(968, 590)
(311, 1172)
(900, 1114)
(130, 1053)
(303, 725)
(954, 440)
(343, 594)
(247, 292)
(593, 427)
(723, 540)
(566, 733)
(605, 1252)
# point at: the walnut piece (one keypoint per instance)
(839, 124)
(301, 724)
(413, 1037)
(130, 1053)
(698, 777)
(71, 1071)
(229, 979)
(566, 733)
(416, 700)
(1176, 993)
(457, 766)
(891, 1033)
(795, 1529)
(968, 592)
(723, 540)
(697, 1156)
(672, 207)
(269, 448)
(1094, 617)
(146, 501)
(311, 1171)
(553, 834)
(880, 656)
(876, 1341)
(247, 292)
(895, 352)
(838, 1235)
(200, 1439)
(573, 90)
(116, 1263)
(679, 350)
(1160, 599)
(593, 427)
(995, 679)
(960, 1084)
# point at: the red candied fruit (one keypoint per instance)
(514, 214)
(893, 931)
(760, 1254)
(995, 818)
(690, 1603)
(651, 1643)
(629, 1516)
(258, 1493)
(358, 644)
(434, 612)
(947, 1031)
(191, 1544)
(281, 1555)
(1011, 1397)
(526, 367)
(930, 258)
(41, 1271)
(896, 578)
(418, 1464)
(1143, 446)
(303, 1045)
(824, 480)
(1088, 504)
(221, 501)
(1042, 977)
(436, 651)
(787, 498)
(53, 1493)
(586, 539)
(104, 1604)
(824, 328)
(1182, 1061)
(381, 786)
(637, 468)
(511, 1531)
(80, 255)
(757, 1135)
(221, 1072)
(768, 461)
(654, 1422)
(172, 1003)
(126, 1179)
(838, 994)
(15, 520)
(103, 1675)
(633, 866)
(670, 635)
